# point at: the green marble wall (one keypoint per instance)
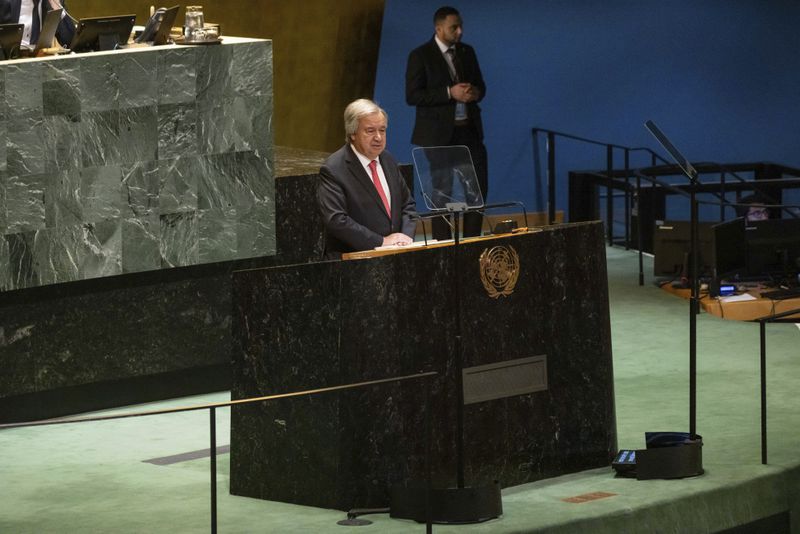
(135, 160)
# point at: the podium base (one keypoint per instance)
(447, 506)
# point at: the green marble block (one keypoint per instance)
(135, 160)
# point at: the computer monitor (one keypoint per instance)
(49, 28)
(730, 250)
(10, 39)
(162, 35)
(102, 33)
(671, 245)
(158, 27)
(773, 247)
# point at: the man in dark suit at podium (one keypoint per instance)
(31, 13)
(362, 196)
(445, 84)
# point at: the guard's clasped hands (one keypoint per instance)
(464, 92)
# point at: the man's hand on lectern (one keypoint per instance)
(397, 239)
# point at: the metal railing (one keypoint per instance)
(212, 407)
(628, 179)
(789, 316)
(550, 148)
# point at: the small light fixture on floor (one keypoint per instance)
(354, 521)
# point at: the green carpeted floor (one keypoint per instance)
(92, 477)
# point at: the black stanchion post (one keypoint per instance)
(537, 172)
(213, 453)
(653, 162)
(763, 333)
(428, 461)
(551, 178)
(722, 192)
(639, 228)
(627, 200)
(610, 194)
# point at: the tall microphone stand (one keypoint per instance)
(457, 209)
(462, 504)
(678, 454)
(694, 297)
(694, 302)
(694, 251)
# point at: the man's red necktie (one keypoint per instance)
(377, 181)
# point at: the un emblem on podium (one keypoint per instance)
(499, 270)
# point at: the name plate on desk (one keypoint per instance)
(504, 379)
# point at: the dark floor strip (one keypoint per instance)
(187, 456)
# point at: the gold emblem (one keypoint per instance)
(499, 270)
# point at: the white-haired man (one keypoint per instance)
(362, 196)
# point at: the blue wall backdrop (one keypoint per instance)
(720, 77)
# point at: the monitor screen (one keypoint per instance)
(158, 27)
(162, 35)
(773, 247)
(102, 33)
(730, 253)
(10, 39)
(671, 245)
(49, 28)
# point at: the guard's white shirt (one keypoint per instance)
(461, 107)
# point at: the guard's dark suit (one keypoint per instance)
(427, 81)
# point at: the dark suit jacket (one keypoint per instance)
(427, 80)
(352, 210)
(9, 14)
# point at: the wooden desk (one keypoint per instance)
(748, 310)
(388, 251)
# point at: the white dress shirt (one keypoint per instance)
(461, 107)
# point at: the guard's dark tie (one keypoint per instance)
(456, 59)
(36, 24)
